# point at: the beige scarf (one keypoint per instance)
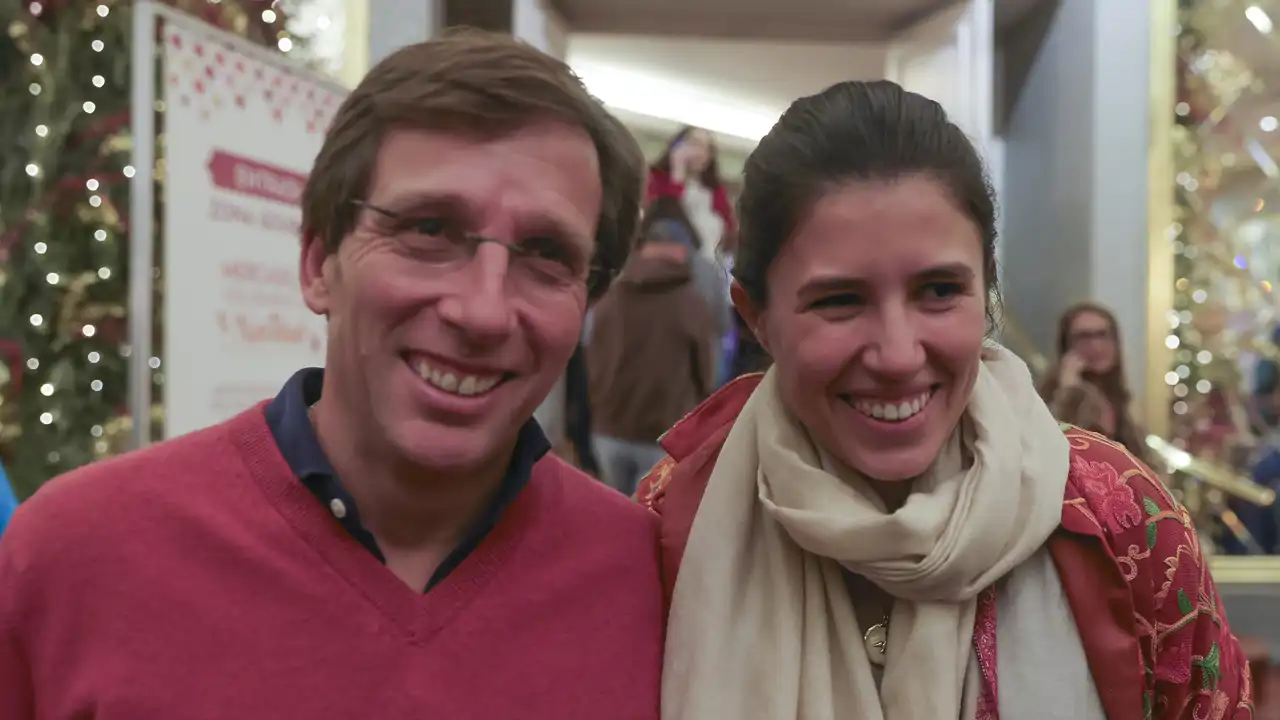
(761, 624)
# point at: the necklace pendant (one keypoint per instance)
(876, 640)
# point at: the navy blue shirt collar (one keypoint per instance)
(291, 426)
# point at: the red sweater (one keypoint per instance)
(200, 579)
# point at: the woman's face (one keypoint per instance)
(697, 143)
(875, 320)
(1092, 338)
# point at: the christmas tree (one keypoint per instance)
(64, 193)
(1225, 263)
(1223, 310)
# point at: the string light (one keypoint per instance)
(93, 327)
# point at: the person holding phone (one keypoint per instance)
(688, 172)
(1087, 386)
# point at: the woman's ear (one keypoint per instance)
(751, 314)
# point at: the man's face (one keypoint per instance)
(437, 362)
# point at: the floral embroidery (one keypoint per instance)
(649, 491)
(1192, 664)
(1110, 498)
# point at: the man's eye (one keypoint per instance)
(836, 301)
(428, 226)
(546, 248)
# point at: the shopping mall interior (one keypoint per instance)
(1131, 145)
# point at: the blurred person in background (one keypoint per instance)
(651, 356)
(8, 501)
(1086, 387)
(889, 523)
(389, 536)
(710, 278)
(1261, 523)
(688, 172)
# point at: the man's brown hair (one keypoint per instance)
(476, 82)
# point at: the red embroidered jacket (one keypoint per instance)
(1150, 618)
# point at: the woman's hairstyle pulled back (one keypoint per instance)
(854, 131)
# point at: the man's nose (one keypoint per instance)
(481, 304)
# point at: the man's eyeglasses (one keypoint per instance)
(537, 263)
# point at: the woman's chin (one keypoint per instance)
(892, 465)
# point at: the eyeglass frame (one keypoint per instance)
(598, 278)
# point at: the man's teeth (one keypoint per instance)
(464, 385)
(893, 412)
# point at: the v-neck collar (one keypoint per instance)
(420, 616)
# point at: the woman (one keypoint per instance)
(688, 172)
(889, 523)
(1087, 386)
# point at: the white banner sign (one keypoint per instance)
(240, 135)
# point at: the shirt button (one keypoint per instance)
(338, 508)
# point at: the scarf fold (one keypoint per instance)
(761, 624)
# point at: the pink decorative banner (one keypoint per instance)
(258, 179)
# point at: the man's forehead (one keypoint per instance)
(544, 181)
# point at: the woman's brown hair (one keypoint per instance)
(710, 175)
(1111, 384)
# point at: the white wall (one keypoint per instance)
(732, 87)
(1077, 91)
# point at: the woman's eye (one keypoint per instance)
(943, 291)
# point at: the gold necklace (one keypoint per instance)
(876, 641)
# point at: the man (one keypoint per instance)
(651, 355)
(388, 537)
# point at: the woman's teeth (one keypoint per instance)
(451, 383)
(893, 412)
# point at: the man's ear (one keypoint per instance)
(751, 315)
(316, 269)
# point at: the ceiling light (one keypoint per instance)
(643, 94)
(1259, 18)
(1268, 124)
